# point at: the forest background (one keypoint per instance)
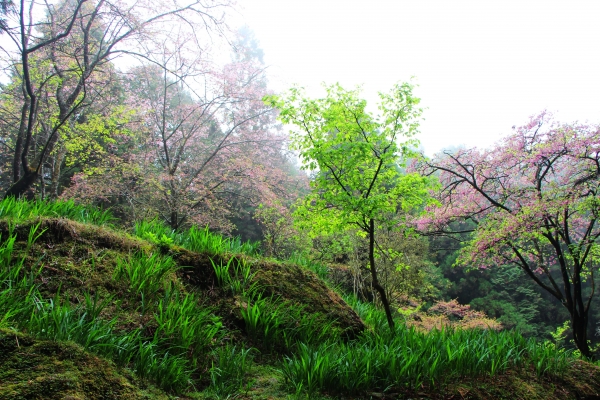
(157, 112)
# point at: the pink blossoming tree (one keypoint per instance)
(206, 148)
(60, 51)
(534, 202)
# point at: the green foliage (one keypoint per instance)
(91, 135)
(410, 358)
(228, 372)
(53, 319)
(269, 320)
(20, 210)
(281, 239)
(356, 159)
(560, 334)
(318, 268)
(194, 239)
(237, 280)
(185, 331)
(181, 343)
(309, 370)
(145, 273)
(355, 156)
(404, 268)
(283, 324)
(18, 290)
(501, 293)
(182, 323)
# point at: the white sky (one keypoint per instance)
(482, 66)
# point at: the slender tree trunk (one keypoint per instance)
(174, 220)
(579, 324)
(56, 172)
(376, 285)
(17, 167)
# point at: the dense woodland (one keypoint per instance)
(155, 119)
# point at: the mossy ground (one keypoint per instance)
(76, 258)
(42, 369)
(581, 381)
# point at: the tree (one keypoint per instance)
(280, 238)
(355, 159)
(203, 147)
(207, 140)
(534, 202)
(75, 39)
(4, 8)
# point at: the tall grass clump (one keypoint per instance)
(230, 366)
(263, 319)
(283, 324)
(182, 324)
(56, 320)
(18, 290)
(270, 319)
(408, 358)
(194, 239)
(22, 307)
(20, 210)
(145, 273)
(235, 276)
(319, 269)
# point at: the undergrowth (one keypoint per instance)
(19, 210)
(194, 239)
(184, 346)
(408, 358)
(184, 339)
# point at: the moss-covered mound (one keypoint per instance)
(58, 230)
(580, 382)
(79, 258)
(285, 281)
(71, 261)
(42, 369)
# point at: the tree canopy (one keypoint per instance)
(534, 201)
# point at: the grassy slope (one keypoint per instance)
(77, 258)
(80, 258)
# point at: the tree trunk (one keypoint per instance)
(56, 172)
(579, 322)
(376, 285)
(579, 325)
(17, 167)
(174, 220)
(20, 187)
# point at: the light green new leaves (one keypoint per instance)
(86, 139)
(355, 156)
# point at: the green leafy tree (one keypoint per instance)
(355, 158)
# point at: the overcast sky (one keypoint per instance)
(482, 66)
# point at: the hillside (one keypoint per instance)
(89, 312)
